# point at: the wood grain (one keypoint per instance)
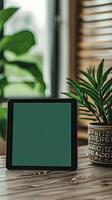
(2, 146)
(89, 182)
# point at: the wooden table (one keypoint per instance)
(89, 182)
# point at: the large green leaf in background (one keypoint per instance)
(3, 117)
(30, 67)
(19, 43)
(5, 15)
(33, 69)
(3, 82)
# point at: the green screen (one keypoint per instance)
(41, 134)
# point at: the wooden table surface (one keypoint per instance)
(89, 182)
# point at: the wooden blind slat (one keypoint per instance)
(95, 53)
(103, 24)
(96, 17)
(84, 63)
(95, 46)
(97, 10)
(98, 38)
(95, 32)
(95, 3)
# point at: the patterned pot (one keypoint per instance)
(100, 144)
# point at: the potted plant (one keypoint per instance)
(93, 93)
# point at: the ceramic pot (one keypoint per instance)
(100, 144)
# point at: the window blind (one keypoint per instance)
(94, 35)
(95, 32)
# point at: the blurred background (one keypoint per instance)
(70, 35)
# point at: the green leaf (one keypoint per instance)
(107, 72)
(5, 14)
(88, 86)
(100, 73)
(109, 113)
(30, 84)
(93, 72)
(89, 70)
(107, 101)
(76, 86)
(31, 68)
(91, 94)
(71, 95)
(91, 79)
(3, 112)
(19, 43)
(106, 86)
(90, 106)
(83, 80)
(108, 93)
(3, 82)
(3, 118)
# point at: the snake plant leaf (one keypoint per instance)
(5, 14)
(105, 75)
(81, 79)
(93, 72)
(96, 92)
(19, 43)
(91, 94)
(90, 106)
(100, 73)
(108, 93)
(106, 86)
(75, 86)
(91, 79)
(89, 70)
(73, 96)
(108, 100)
(86, 85)
(73, 83)
(109, 113)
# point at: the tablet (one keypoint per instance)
(41, 134)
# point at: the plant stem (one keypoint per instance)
(102, 110)
(91, 110)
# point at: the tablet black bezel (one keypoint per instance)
(73, 133)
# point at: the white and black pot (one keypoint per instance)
(100, 144)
